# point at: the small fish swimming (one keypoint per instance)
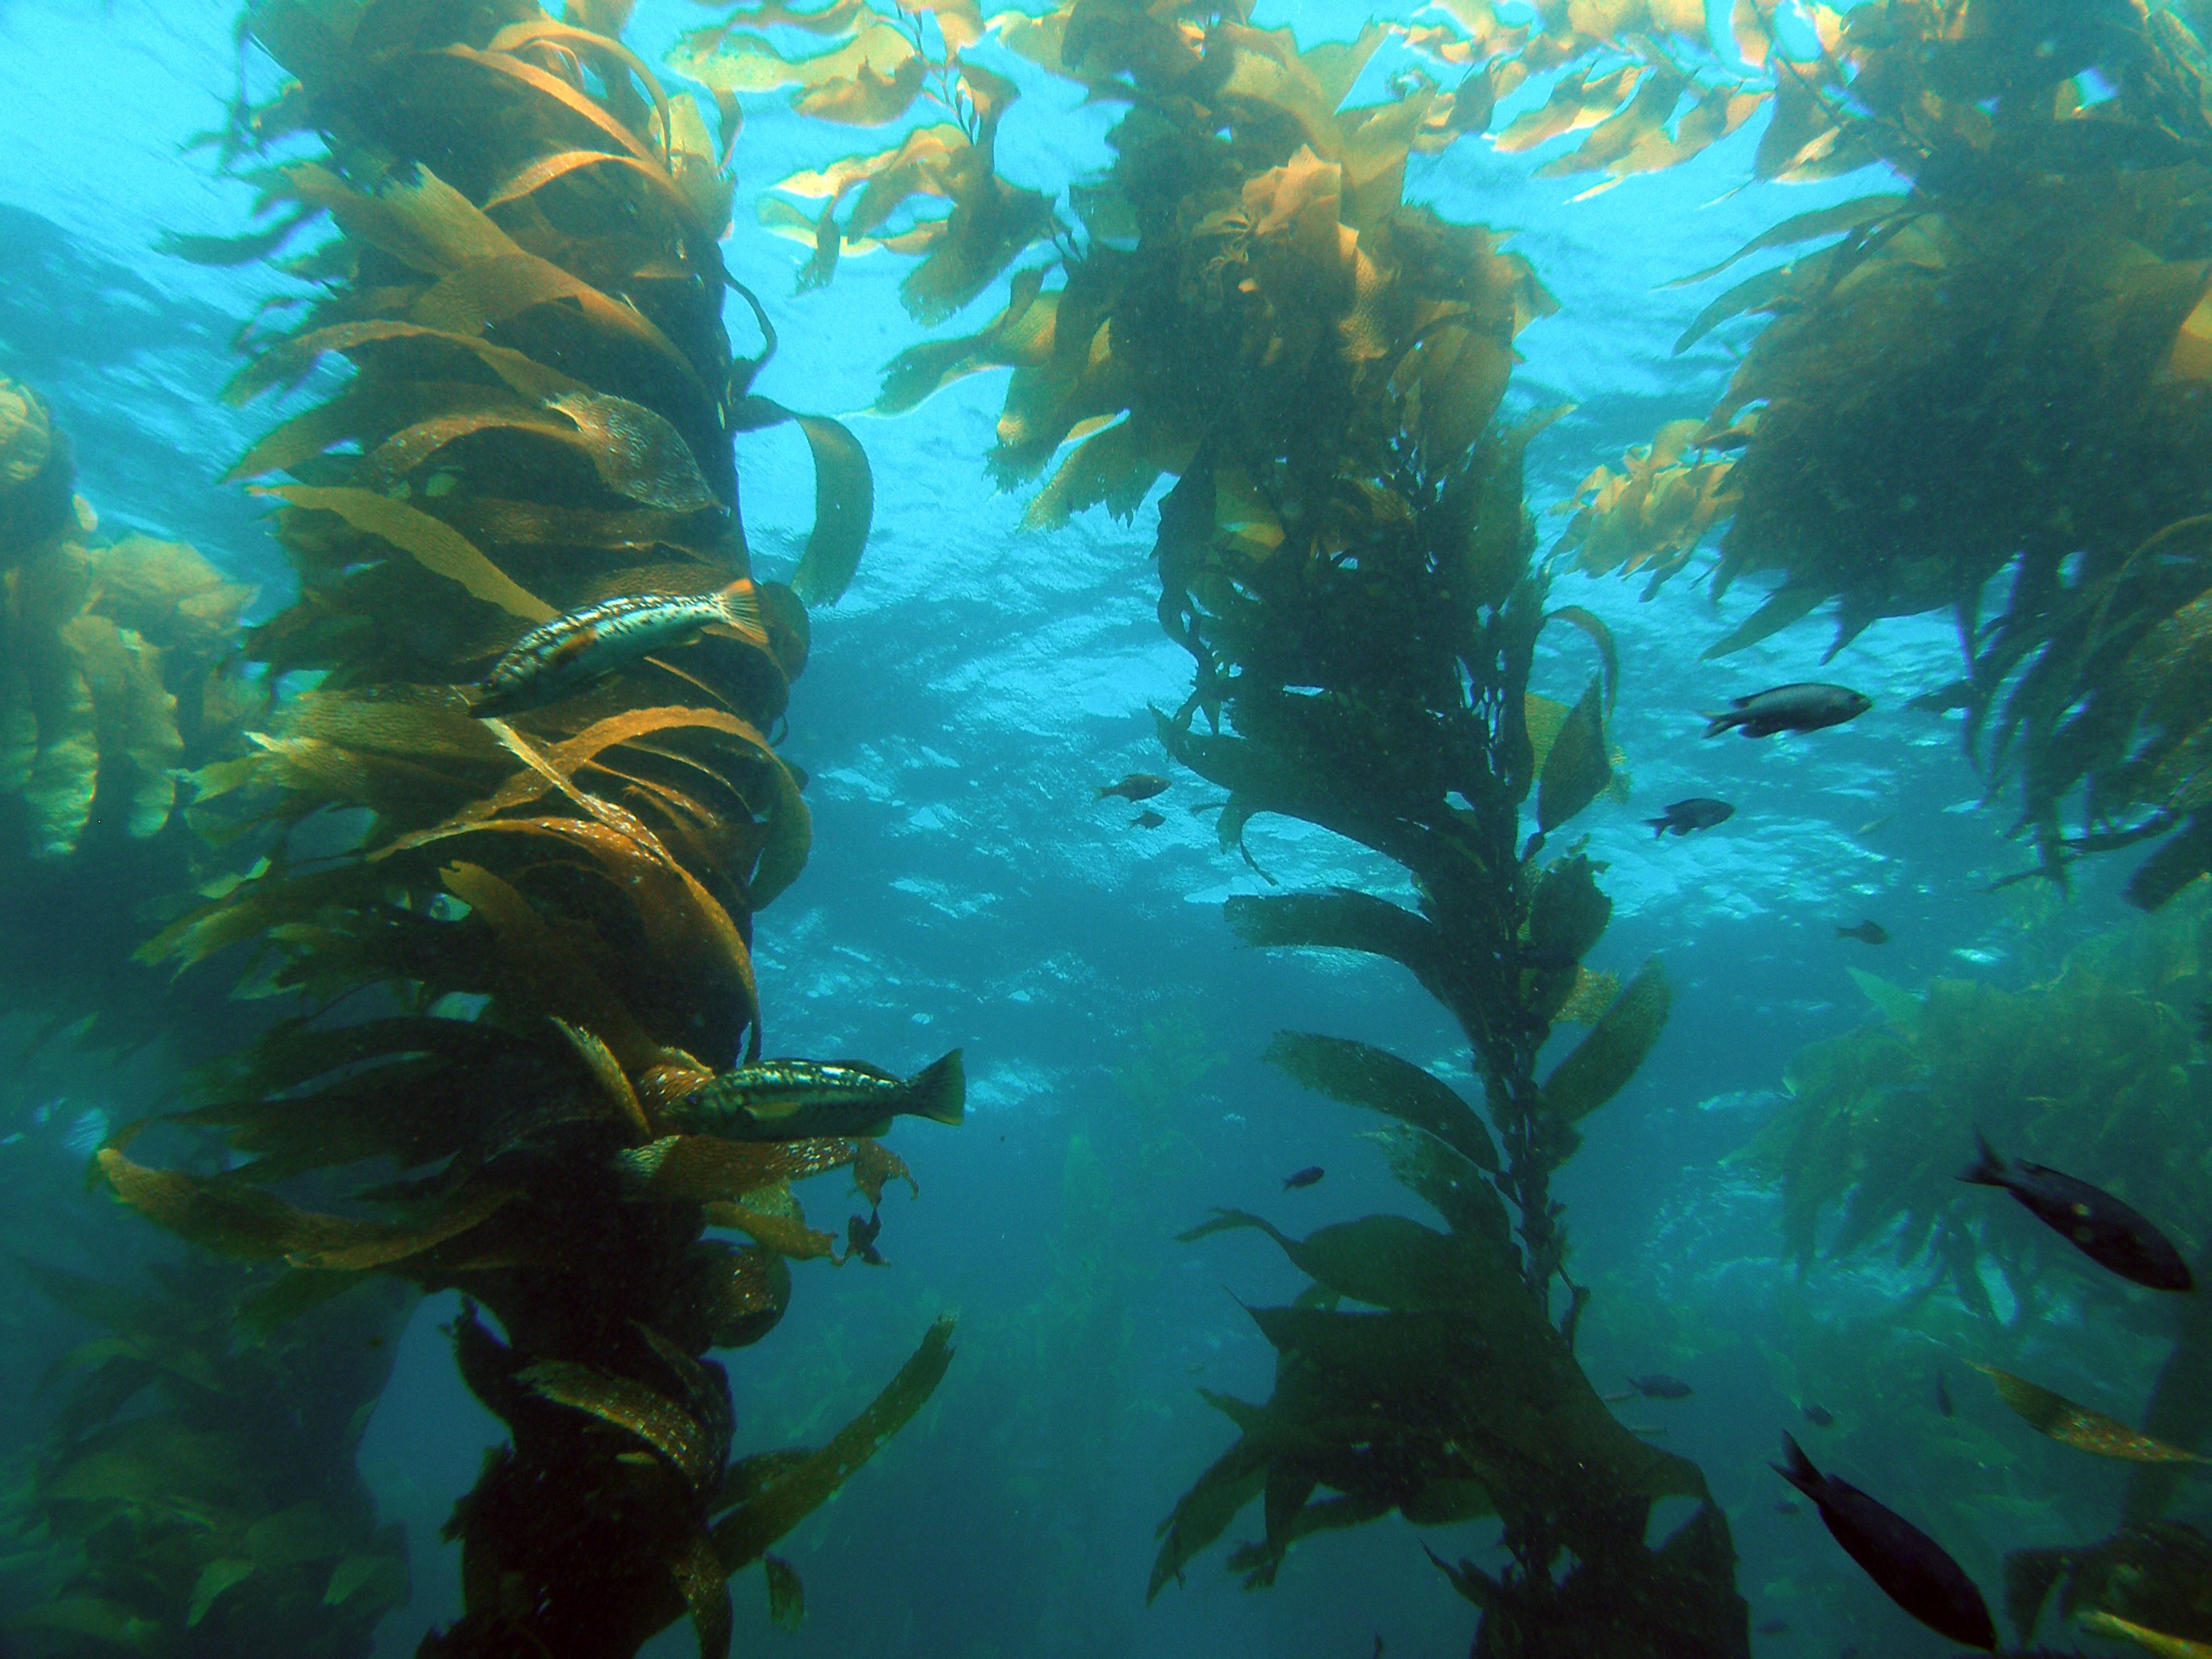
(1819, 1416)
(1787, 1506)
(557, 659)
(1804, 707)
(1304, 1177)
(1682, 817)
(801, 1099)
(2102, 1228)
(1909, 1566)
(860, 1239)
(1138, 786)
(1147, 819)
(1867, 933)
(1658, 1385)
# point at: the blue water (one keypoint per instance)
(963, 891)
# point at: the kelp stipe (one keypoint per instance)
(507, 945)
(1258, 312)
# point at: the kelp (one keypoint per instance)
(195, 1492)
(496, 948)
(2157, 1576)
(1254, 310)
(1995, 378)
(2096, 1070)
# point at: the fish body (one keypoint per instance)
(1819, 1416)
(1657, 1387)
(802, 1099)
(1804, 707)
(860, 1239)
(1147, 819)
(1909, 1566)
(2107, 1231)
(1138, 786)
(1304, 1177)
(557, 659)
(1682, 817)
(1867, 933)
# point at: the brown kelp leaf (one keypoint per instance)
(875, 1166)
(546, 168)
(704, 1168)
(1019, 335)
(1359, 1075)
(786, 1599)
(702, 1581)
(784, 1231)
(135, 720)
(224, 1214)
(291, 360)
(1577, 768)
(1782, 607)
(1576, 102)
(606, 1070)
(1602, 1065)
(1753, 294)
(2055, 1415)
(436, 544)
(1806, 227)
(550, 975)
(1602, 637)
(844, 499)
(793, 1492)
(214, 1578)
(2097, 1621)
(554, 89)
(631, 1405)
(1452, 1183)
(637, 453)
(1593, 994)
(1392, 1262)
(866, 98)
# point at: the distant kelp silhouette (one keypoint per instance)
(1894, 438)
(1320, 365)
(196, 1493)
(507, 945)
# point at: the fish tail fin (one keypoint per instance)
(1799, 1471)
(939, 1092)
(1717, 723)
(1843, 931)
(740, 603)
(1106, 789)
(1658, 827)
(1989, 1168)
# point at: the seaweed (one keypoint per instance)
(497, 948)
(1255, 311)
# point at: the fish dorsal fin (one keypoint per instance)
(1740, 702)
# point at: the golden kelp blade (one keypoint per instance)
(703, 1169)
(2078, 1427)
(2165, 1647)
(651, 1416)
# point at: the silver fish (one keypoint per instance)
(558, 658)
(800, 1099)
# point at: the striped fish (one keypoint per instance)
(799, 1099)
(557, 659)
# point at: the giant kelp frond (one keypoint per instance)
(505, 943)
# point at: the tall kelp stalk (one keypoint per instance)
(1997, 375)
(507, 947)
(1252, 307)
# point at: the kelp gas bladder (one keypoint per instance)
(506, 943)
(1319, 364)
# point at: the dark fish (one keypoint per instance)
(560, 657)
(1786, 1506)
(1819, 1416)
(1943, 1395)
(1867, 933)
(1908, 1565)
(1304, 1177)
(1696, 813)
(860, 1239)
(1789, 709)
(2105, 1229)
(1658, 1387)
(800, 1099)
(1775, 1627)
(1138, 786)
(1147, 819)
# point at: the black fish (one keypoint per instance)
(1138, 786)
(1789, 709)
(1943, 1395)
(1785, 1506)
(1147, 819)
(1867, 933)
(1696, 813)
(860, 1239)
(2105, 1229)
(1658, 1387)
(1819, 1416)
(1908, 1565)
(1304, 1177)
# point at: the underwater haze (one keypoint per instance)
(1435, 1105)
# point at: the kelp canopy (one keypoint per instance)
(506, 946)
(1255, 310)
(1995, 374)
